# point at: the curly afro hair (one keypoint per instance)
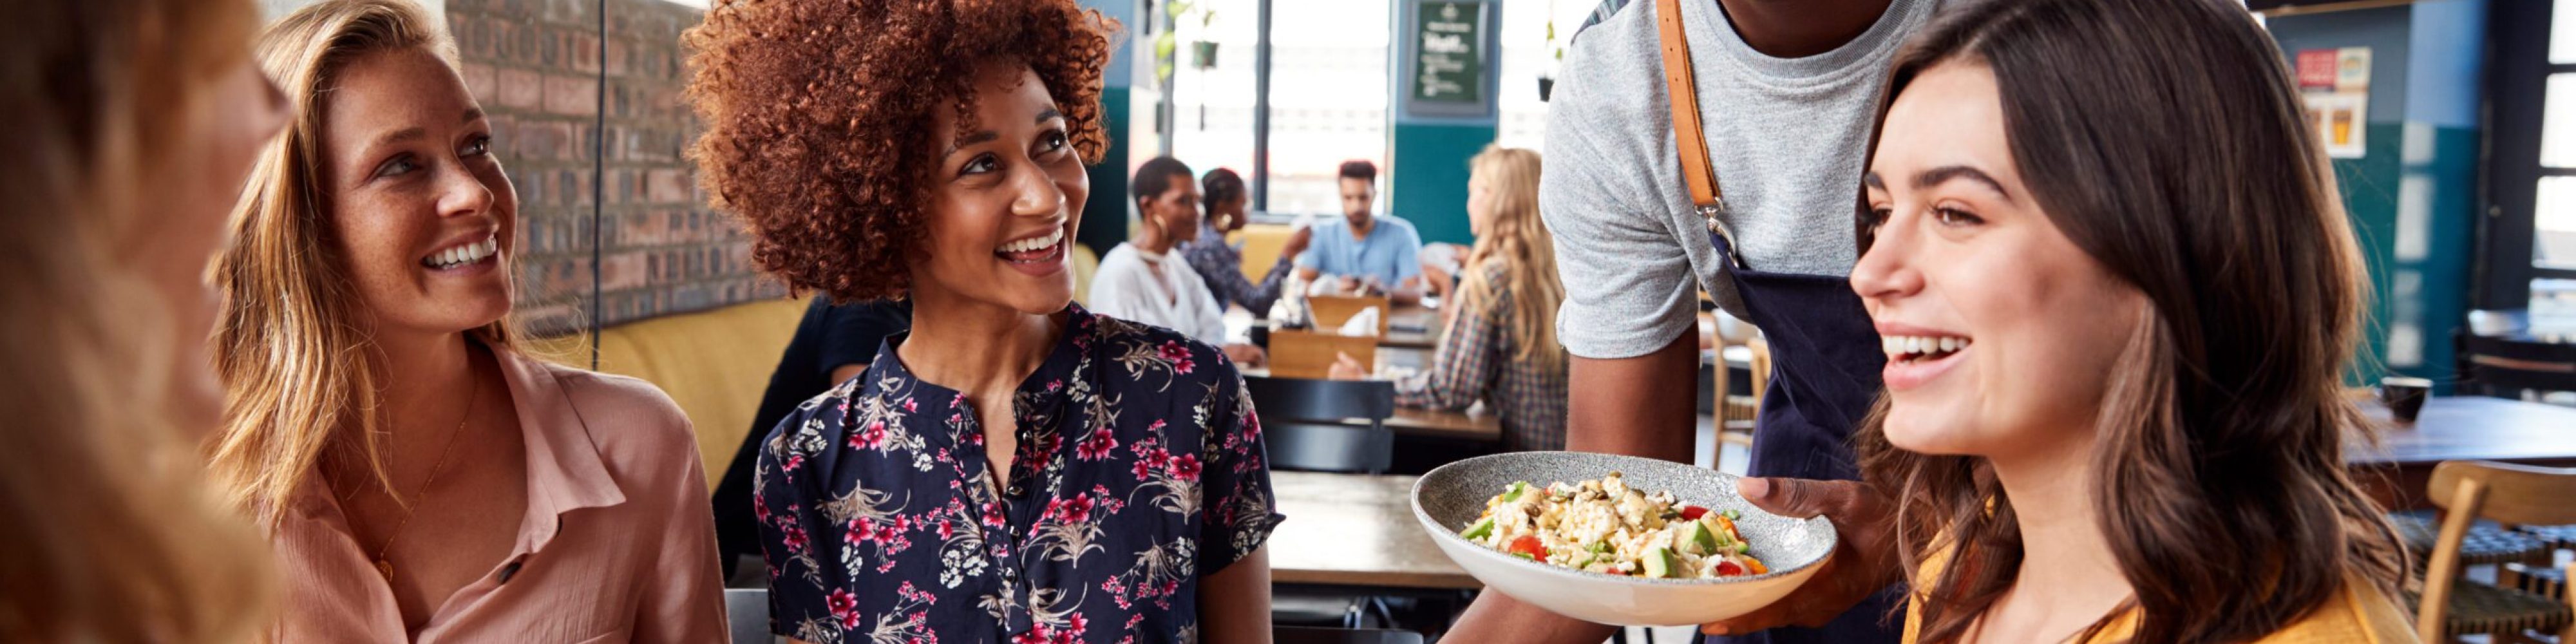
(818, 118)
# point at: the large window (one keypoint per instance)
(1328, 98)
(2553, 252)
(1212, 105)
(1329, 88)
(1528, 55)
(2532, 167)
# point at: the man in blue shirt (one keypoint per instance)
(1364, 251)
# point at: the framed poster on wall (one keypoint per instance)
(1449, 51)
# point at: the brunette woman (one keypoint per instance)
(2116, 331)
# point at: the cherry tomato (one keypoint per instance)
(1692, 512)
(1529, 545)
(1728, 568)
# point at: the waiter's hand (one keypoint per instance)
(1863, 562)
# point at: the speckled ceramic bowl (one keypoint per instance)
(1449, 498)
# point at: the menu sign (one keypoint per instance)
(1449, 57)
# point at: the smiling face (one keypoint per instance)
(421, 212)
(2000, 331)
(1004, 201)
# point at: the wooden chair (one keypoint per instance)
(1736, 414)
(2509, 494)
(1332, 310)
(2508, 367)
(1310, 354)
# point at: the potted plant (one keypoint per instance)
(1547, 79)
(1167, 41)
(1203, 51)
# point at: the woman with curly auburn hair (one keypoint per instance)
(1014, 468)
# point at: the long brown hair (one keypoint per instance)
(298, 365)
(1515, 236)
(107, 533)
(2165, 139)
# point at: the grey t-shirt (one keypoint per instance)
(1786, 137)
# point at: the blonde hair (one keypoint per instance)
(106, 532)
(292, 347)
(1514, 235)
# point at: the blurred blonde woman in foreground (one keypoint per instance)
(131, 123)
(422, 480)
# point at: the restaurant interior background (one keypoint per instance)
(2464, 186)
(2453, 123)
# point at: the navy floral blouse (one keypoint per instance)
(1140, 470)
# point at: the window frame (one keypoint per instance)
(2518, 76)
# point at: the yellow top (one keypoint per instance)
(2358, 615)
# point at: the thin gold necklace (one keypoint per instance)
(386, 567)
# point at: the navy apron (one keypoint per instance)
(1825, 354)
(1825, 362)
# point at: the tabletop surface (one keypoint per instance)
(1472, 424)
(1355, 530)
(2472, 428)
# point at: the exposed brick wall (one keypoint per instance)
(535, 65)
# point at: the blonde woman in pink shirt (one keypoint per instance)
(421, 479)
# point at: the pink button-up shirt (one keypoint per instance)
(618, 543)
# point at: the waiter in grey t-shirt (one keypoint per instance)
(1787, 92)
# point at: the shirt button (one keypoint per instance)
(1016, 490)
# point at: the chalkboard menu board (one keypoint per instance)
(1449, 52)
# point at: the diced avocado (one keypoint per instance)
(1514, 494)
(1730, 514)
(1659, 562)
(1698, 539)
(1483, 528)
(1599, 547)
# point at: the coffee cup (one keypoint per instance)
(2404, 396)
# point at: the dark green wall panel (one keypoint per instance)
(1430, 177)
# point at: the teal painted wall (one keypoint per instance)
(2412, 196)
(1104, 215)
(2430, 264)
(2369, 186)
(1429, 180)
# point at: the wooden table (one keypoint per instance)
(2459, 428)
(1461, 425)
(1355, 530)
